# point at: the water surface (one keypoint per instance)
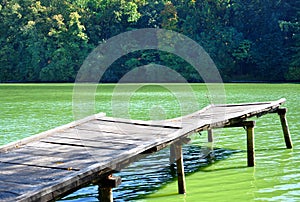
(27, 109)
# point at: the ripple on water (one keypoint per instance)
(275, 177)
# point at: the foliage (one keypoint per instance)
(292, 28)
(47, 41)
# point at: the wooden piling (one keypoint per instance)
(105, 194)
(285, 128)
(180, 169)
(172, 158)
(105, 187)
(250, 142)
(210, 140)
(210, 136)
(172, 154)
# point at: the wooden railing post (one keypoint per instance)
(285, 128)
(250, 142)
(105, 187)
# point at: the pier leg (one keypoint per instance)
(250, 142)
(105, 188)
(210, 139)
(105, 194)
(210, 135)
(172, 154)
(285, 128)
(180, 169)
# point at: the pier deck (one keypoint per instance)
(54, 163)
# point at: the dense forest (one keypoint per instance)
(249, 40)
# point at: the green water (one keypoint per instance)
(276, 176)
(27, 109)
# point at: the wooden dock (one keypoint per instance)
(57, 162)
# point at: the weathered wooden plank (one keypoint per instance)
(152, 123)
(104, 137)
(248, 111)
(39, 145)
(87, 143)
(10, 190)
(63, 158)
(122, 128)
(90, 149)
(125, 133)
(82, 135)
(36, 177)
(143, 137)
(24, 141)
(99, 136)
(280, 101)
(66, 162)
(127, 126)
(63, 185)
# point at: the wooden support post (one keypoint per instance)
(181, 141)
(210, 135)
(105, 187)
(180, 169)
(210, 140)
(285, 128)
(105, 194)
(172, 154)
(250, 142)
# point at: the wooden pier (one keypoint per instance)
(54, 163)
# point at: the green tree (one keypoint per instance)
(48, 40)
(292, 27)
(69, 47)
(258, 21)
(169, 18)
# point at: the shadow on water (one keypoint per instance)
(152, 173)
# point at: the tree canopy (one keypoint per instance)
(47, 41)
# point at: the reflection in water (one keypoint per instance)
(151, 173)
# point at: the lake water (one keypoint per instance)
(32, 108)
